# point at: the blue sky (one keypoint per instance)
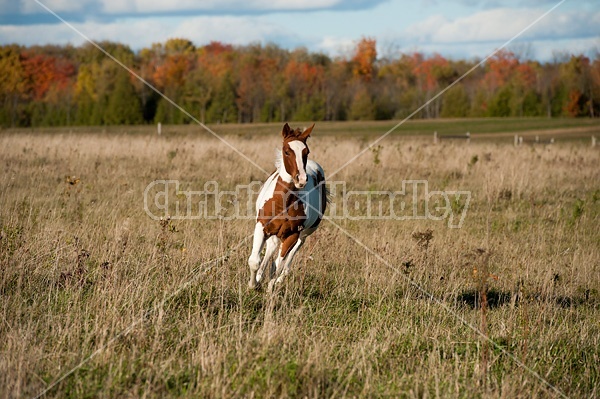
(453, 28)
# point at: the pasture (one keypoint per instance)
(98, 299)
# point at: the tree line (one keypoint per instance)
(220, 83)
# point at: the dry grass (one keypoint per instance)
(85, 271)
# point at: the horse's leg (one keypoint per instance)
(287, 261)
(272, 244)
(289, 246)
(254, 259)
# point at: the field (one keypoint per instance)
(99, 299)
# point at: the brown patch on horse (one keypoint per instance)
(283, 215)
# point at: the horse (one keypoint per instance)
(289, 208)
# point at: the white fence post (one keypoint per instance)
(159, 128)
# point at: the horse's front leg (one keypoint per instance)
(267, 260)
(289, 247)
(254, 259)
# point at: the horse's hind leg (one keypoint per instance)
(272, 245)
(254, 259)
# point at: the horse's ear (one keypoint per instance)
(306, 134)
(286, 130)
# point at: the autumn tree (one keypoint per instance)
(221, 83)
(303, 78)
(173, 62)
(399, 81)
(595, 87)
(12, 84)
(216, 92)
(48, 79)
(499, 69)
(335, 87)
(432, 74)
(577, 80)
(364, 58)
(85, 96)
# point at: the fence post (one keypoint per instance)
(468, 137)
(593, 141)
(516, 140)
(435, 138)
(159, 128)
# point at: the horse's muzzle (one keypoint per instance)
(299, 181)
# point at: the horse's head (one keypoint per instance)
(295, 153)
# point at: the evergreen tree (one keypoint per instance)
(222, 108)
(311, 110)
(124, 106)
(455, 102)
(362, 107)
(500, 104)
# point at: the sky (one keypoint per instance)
(460, 29)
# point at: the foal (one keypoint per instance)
(289, 207)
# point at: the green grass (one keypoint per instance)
(571, 127)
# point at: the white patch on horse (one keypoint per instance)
(267, 191)
(257, 246)
(298, 146)
(285, 176)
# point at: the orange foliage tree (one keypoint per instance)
(364, 58)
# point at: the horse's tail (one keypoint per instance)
(325, 194)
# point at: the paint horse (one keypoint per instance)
(289, 208)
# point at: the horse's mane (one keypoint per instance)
(278, 158)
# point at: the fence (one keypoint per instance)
(518, 140)
(466, 136)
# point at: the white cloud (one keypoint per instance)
(139, 33)
(336, 46)
(502, 24)
(502, 3)
(89, 9)
(58, 6)
(61, 34)
(542, 50)
(154, 6)
(234, 30)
